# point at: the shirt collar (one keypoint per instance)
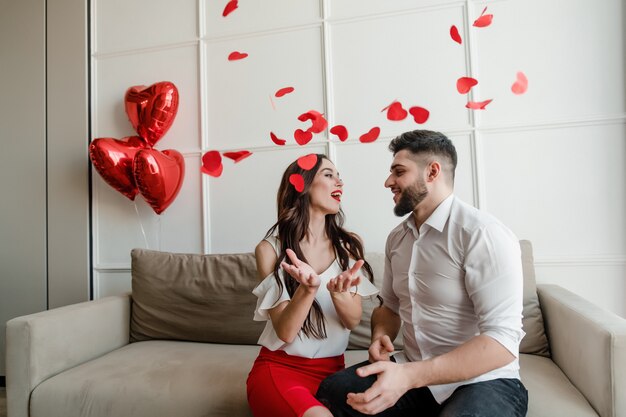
(438, 218)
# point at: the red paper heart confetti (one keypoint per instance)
(212, 164)
(370, 136)
(235, 56)
(521, 84)
(302, 137)
(484, 20)
(284, 91)
(237, 156)
(340, 131)
(307, 162)
(420, 114)
(465, 84)
(278, 141)
(395, 111)
(319, 123)
(478, 105)
(297, 181)
(454, 34)
(230, 7)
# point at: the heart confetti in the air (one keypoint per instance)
(302, 137)
(465, 84)
(319, 123)
(478, 105)
(370, 136)
(395, 111)
(284, 91)
(212, 163)
(484, 20)
(340, 131)
(278, 141)
(307, 162)
(420, 114)
(230, 7)
(520, 85)
(297, 181)
(237, 156)
(236, 56)
(454, 34)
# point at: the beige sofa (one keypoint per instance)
(183, 343)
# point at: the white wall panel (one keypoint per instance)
(602, 284)
(122, 225)
(405, 57)
(573, 57)
(561, 188)
(111, 283)
(114, 75)
(340, 9)
(259, 15)
(123, 25)
(243, 199)
(240, 93)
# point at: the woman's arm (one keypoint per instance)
(288, 316)
(347, 304)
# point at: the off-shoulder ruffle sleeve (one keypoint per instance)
(269, 296)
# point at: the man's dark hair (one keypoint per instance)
(426, 142)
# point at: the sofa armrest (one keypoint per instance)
(588, 343)
(44, 344)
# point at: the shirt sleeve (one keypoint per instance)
(390, 299)
(269, 295)
(494, 282)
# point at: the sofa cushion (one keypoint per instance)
(550, 392)
(200, 298)
(535, 341)
(152, 379)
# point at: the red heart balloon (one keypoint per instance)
(151, 110)
(113, 159)
(159, 176)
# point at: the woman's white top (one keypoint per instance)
(269, 296)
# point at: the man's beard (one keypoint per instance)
(410, 198)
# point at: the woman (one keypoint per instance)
(310, 293)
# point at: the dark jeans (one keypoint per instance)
(496, 398)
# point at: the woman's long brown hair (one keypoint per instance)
(292, 226)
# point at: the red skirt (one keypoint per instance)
(283, 385)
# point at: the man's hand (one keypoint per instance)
(301, 272)
(380, 349)
(392, 382)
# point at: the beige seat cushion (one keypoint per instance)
(152, 379)
(550, 393)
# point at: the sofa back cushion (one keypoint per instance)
(200, 298)
(535, 341)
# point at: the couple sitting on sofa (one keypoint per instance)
(452, 284)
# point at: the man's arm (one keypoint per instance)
(385, 327)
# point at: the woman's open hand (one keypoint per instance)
(346, 280)
(301, 271)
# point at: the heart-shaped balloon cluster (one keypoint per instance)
(131, 165)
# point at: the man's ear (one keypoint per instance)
(433, 171)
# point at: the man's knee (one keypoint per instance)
(334, 389)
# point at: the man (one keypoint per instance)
(453, 285)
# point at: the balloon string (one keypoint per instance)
(159, 233)
(143, 232)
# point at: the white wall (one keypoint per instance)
(549, 163)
